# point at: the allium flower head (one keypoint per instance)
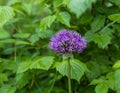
(67, 41)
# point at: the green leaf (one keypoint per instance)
(27, 8)
(12, 2)
(4, 34)
(101, 88)
(115, 17)
(103, 38)
(80, 6)
(77, 69)
(34, 38)
(24, 66)
(17, 42)
(95, 70)
(98, 23)
(42, 63)
(21, 35)
(111, 80)
(6, 13)
(57, 3)
(47, 22)
(7, 89)
(117, 81)
(21, 80)
(3, 77)
(66, 2)
(117, 64)
(64, 18)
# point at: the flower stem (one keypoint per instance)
(69, 76)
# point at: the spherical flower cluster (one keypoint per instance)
(67, 41)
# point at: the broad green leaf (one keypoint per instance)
(66, 2)
(21, 42)
(37, 63)
(117, 64)
(89, 36)
(17, 42)
(64, 18)
(77, 69)
(34, 38)
(12, 2)
(7, 41)
(21, 35)
(80, 6)
(47, 22)
(111, 80)
(83, 18)
(21, 80)
(103, 38)
(97, 23)
(3, 34)
(117, 81)
(57, 3)
(7, 89)
(101, 88)
(27, 8)
(42, 63)
(6, 13)
(3, 77)
(95, 70)
(24, 66)
(97, 81)
(115, 17)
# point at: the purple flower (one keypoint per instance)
(67, 41)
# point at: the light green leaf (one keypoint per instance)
(80, 6)
(89, 36)
(47, 22)
(21, 80)
(12, 2)
(117, 64)
(34, 38)
(66, 2)
(97, 81)
(3, 77)
(111, 80)
(101, 88)
(24, 66)
(57, 3)
(64, 18)
(21, 35)
(42, 63)
(97, 23)
(17, 42)
(7, 89)
(3, 34)
(115, 17)
(6, 13)
(77, 69)
(27, 8)
(103, 38)
(21, 42)
(117, 81)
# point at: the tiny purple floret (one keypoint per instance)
(67, 41)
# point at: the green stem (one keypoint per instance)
(69, 76)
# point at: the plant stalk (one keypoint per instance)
(69, 76)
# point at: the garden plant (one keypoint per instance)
(59, 46)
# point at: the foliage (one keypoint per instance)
(27, 65)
